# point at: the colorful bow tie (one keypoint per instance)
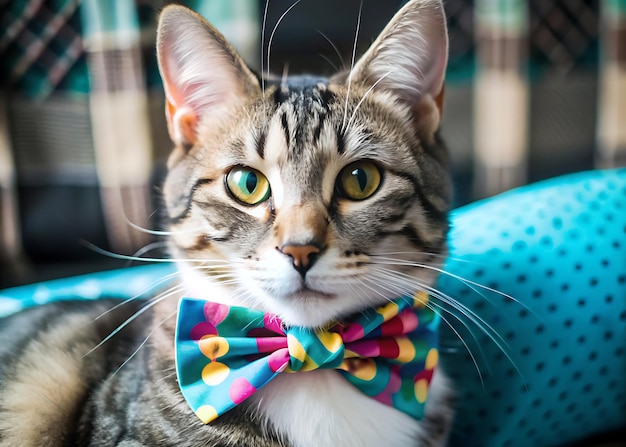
(224, 354)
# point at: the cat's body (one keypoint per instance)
(310, 199)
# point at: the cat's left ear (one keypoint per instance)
(203, 76)
(409, 59)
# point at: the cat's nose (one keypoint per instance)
(303, 256)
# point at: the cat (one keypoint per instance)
(309, 198)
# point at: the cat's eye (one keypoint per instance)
(359, 180)
(247, 185)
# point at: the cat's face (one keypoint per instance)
(308, 198)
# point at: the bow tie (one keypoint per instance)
(225, 354)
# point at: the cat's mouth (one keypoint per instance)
(306, 293)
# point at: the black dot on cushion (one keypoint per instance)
(510, 335)
(581, 340)
(577, 375)
(522, 423)
(621, 279)
(537, 293)
(587, 388)
(608, 299)
(523, 313)
(540, 329)
(531, 433)
(593, 282)
(479, 273)
(540, 366)
(506, 266)
(553, 382)
(619, 352)
(482, 413)
(546, 241)
(593, 355)
(616, 245)
(595, 403)
(562, 252)
(581, 302)
(605, 263)
(557, 223)
(594, 319)
(547, 414)
(589, 248)
(521, 279)
(552, 308)
(564, 287)
(578, 266)
(622, 316)
(533, 259)
(519, 246)
(566, 360)
(554, 344)
(525, 351)
(555, 426)
(510, 409)
(603, 371)
(494, 429)
(608, 335)
(549, 273)
(579, 417)
(601, 231)
(563, 396)
(568, 323)
(613, 384)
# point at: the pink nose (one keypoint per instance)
(303, 256)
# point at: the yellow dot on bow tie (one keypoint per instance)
(364, 369)
(406, 349)
(296, 349)
(432, 359)
(421, 390)
(213, 347)
(388, 311)
(331, 341)
(206, 413)
(215, 373)
(420, 299)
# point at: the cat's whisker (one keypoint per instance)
(150, 247)
(142, 293)
(439, 310)
(332, 44)
(356, 37)
(143, 343)
(369, 90)
(269, 43)
(149, 304)
(467, 312)
(472, 316)
(331, 63)
(263, 27)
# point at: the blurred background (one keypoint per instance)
(534, 89)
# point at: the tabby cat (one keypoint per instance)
(309, 198)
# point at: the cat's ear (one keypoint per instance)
(202, 74)
(409, 59)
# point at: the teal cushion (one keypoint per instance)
(541, 362)
(534, 294)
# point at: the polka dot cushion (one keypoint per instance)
(537, 340)
(534, 297)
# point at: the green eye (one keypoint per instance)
(247, 185)
(359, 180)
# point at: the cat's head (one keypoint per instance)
(309, 198)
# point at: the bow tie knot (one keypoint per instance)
(225, 354)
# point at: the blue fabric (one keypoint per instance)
(553, 362)
(542, 362)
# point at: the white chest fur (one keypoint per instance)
(320, 408)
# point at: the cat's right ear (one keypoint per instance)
(202, 74)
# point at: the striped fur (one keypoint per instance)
(308, 253)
